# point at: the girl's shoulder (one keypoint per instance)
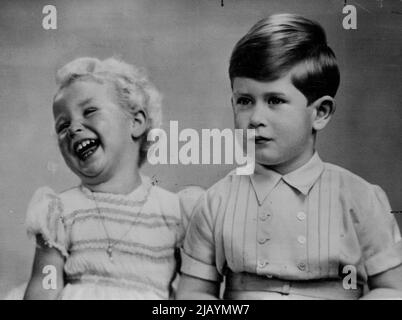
(161, 201)
(157, 193)
(166, 201)
(73, 197)
(46, 199)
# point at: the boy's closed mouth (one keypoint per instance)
(261, 140)
(84, 148)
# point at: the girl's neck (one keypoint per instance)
(122, 185)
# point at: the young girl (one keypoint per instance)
(115, 235)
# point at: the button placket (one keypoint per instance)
(301, 239)
(263, 237)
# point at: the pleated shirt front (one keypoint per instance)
(308, 224)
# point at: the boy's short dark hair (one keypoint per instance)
(278, 43)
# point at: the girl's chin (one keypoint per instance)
(88, 172)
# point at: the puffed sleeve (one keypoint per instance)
(45, 217)
(198, 253)
(380, 238)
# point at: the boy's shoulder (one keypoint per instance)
(346, 175)
(349, 182)
(224, 185)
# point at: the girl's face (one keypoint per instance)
(94, 132)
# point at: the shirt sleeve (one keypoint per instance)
(380, 236)
(198, 253)
(45, 217)
(188, 200)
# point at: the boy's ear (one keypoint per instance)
(138, 124)
(324, 108)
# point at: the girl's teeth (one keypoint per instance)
(83, 144)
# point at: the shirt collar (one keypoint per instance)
(301, 179)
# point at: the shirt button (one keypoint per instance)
(264, 216)
(301, 239)
(301, 215)
(262, 240)
(301, 266)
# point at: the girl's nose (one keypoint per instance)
(74, 128)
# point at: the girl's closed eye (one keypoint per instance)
(90, 110)
(60, 128)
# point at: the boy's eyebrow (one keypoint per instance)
(237, 92)
(274, 93)
(268, 93)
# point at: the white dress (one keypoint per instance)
(144, 229)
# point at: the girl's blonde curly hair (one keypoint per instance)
(133, 89)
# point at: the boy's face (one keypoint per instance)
(94, 133)
(283, 122)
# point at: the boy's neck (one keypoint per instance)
(288, 166)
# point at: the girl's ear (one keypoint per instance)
(139, 124)
(323, 109)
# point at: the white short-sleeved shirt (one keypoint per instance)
(305, 225)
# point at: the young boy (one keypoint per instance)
(298, 228)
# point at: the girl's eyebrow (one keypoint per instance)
(84, 102)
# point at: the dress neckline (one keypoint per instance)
(138, 194)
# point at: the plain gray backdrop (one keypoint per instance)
(185, 47)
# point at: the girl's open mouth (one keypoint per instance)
(85, 148)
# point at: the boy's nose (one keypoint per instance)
(257, 119)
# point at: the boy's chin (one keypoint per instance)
(265, 164)
(266, 159)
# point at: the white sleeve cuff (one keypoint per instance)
(385, 260)
(198, 269)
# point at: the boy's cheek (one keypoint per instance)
(240, 122)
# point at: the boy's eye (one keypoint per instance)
(243, 101)
(275, 100)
